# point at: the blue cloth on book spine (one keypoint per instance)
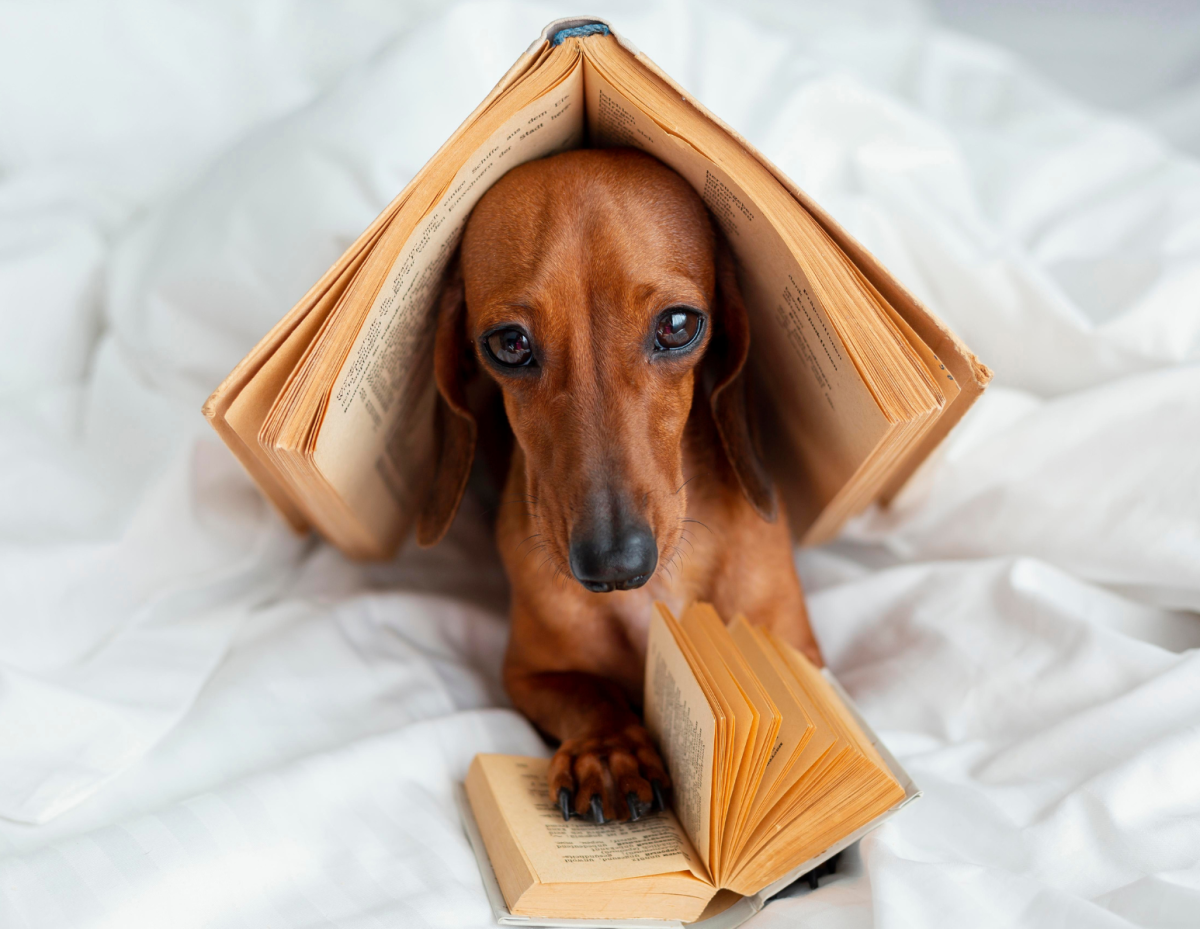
(586, 29)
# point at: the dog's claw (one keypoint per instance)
(660, 802)
(597, 810)
(823, 870)
(564, 803)
(635, 806)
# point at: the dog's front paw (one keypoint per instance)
(609, 777)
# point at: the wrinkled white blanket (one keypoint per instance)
(207, 721)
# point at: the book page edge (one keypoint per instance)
(911, 793)
(500, 911)
(971, 373)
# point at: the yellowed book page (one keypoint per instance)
(822, 690)
(818, 710)
(849, 745)
(375, 442)
(803, 794)
(514, 872)
(701, 621)
(824, 741)
(898, 380)
(678, 896)
(741, 713)
(796, 727)
(721, 901)
(829, 418)
(722, 769)
(740, 724)
(245, 446)
(683, 723)
(970, 375)
(249, 411)
(852, 795)
(577, 851)
(945, 380)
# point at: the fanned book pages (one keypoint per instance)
(335, 412)
(773, 772)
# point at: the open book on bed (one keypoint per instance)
(773, 772)
(334, 412)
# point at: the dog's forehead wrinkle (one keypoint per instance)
(630, 220)
(561, 256)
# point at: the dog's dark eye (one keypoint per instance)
(677, 327)
(510, 347)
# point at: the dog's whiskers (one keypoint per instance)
(529, 503)
(553, 559)
(526, 539)
(667, 559)
(675, 555)
(540, 547)
(688, 519)
(684, 484)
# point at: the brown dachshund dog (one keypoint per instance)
(593, 290)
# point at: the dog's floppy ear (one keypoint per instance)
(726, 380)
(454, 426)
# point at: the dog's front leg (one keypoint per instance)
(606, 767)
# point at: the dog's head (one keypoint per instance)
(593, 289)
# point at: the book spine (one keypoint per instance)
(593, 28)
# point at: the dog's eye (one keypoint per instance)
(510, 347)
(677, 328)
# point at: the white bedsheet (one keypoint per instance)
(205, 721)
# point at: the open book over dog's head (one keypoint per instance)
(335, 412)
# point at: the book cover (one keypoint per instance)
(334, 412)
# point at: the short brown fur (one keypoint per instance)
(584, 250)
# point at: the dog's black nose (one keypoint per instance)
(614, 557)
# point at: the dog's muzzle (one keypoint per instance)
(613, 557)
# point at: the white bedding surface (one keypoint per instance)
(205, 721)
